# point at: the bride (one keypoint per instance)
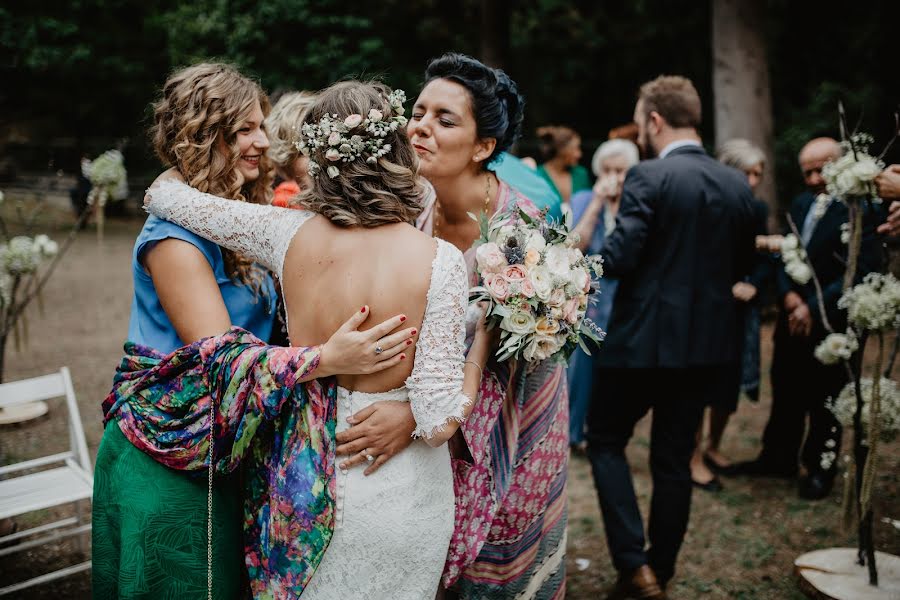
(355, 246)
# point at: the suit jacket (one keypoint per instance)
(828, 255)
(684, 235)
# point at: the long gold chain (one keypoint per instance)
(438, 219)
(209, 502)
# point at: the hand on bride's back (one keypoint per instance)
(353, 352)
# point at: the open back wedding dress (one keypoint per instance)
(392, 529)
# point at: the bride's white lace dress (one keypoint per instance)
(392, 529)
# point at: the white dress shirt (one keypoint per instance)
(678, 144)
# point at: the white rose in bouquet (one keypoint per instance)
(490, 258)
(536, 242)
(518, 322)
(557, 261)
(541, 347)
(542, 282)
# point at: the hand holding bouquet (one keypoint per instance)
(537, 285)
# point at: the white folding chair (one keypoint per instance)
(69, 481)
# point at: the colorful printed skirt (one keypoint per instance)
(510, 535)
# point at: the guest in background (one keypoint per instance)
(888, 184)
(291, 176)
(800, 383)
(520, 174)
(594, 214)
(683, 236)
(560, 150)
(628, 131)
(81, 190)
(744, 375)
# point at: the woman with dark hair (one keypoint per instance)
(511, 454)
(560, 152)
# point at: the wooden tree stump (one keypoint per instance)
(833, 574)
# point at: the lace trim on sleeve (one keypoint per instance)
(435, 384)
(261, 233)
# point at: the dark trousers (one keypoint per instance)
(677, 397)
(801, 385)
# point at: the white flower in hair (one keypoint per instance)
(352, 137)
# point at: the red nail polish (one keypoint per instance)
(363, 309)
(402, 319)
(402, 357)
(413, 332)
(408, 342)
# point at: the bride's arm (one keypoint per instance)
(444, 382)
(261, 233)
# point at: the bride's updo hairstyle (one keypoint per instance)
(496, 103)
(195, 127)
(368, 190)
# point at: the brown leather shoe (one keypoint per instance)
(640, 584)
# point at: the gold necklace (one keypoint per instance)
(437, 220)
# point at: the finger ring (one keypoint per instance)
(369, 457)
(378, 349)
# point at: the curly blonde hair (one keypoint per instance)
(283, 126)
(363, 194)
(201, 110)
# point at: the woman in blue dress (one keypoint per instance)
(594, 217)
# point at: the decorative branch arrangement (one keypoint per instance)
(871, 405)
(26, 264)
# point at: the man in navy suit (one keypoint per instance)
(801, 384)
(683, 236)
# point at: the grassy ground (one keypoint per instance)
(740, 543)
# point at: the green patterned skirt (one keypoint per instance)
(149, 528)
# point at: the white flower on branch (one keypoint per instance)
(853, 174)
(836, 347)
(874, 304)
(844, 407)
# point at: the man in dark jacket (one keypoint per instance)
(801, 384)
(684, 235)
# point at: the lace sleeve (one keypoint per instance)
(436, 382)
(261, 233)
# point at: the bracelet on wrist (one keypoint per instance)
(476, 365)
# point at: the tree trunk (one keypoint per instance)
(495, 15)
(743, 100)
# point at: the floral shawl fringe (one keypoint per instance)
(162, 405)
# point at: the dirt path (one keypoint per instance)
(740, 544)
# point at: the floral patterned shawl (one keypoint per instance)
(162, 405)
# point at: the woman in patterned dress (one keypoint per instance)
(511, 466)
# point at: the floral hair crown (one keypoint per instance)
(353, 137)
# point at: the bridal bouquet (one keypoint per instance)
(537, 285)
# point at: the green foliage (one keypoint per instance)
(80, 74)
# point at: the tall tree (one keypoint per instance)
(741, 90)
(495, 17)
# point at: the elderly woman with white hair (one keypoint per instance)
(594, 214)
(744, 377)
